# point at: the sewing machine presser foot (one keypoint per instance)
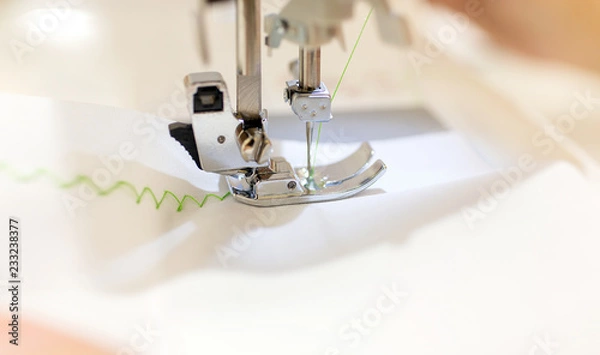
(280, 184)
(223, 142)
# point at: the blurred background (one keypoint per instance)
(476, 106)
(135, 54)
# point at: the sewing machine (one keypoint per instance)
(235, 142)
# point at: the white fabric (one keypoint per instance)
(230, 278)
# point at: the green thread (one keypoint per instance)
(82, 179)
(337, 86)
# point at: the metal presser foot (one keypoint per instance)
(219, 141)
(235, 143)
(280, 184)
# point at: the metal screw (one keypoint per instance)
(323, 107)
(221, 139)
(313, 113)
(304, 106)
(291, 185)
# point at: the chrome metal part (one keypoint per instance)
(281, 185)
(310, 136)
(254, 146)
(249, 41)
(309, 80)
(313, 106)
(224, 145)
(309, 62)
(202, 33)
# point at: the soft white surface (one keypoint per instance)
(295, 277)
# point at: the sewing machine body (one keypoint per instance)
(235, 142)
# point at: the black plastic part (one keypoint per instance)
(253, 123)
(208, 99)
(184, 134)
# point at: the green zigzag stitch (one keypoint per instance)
(82, 179)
